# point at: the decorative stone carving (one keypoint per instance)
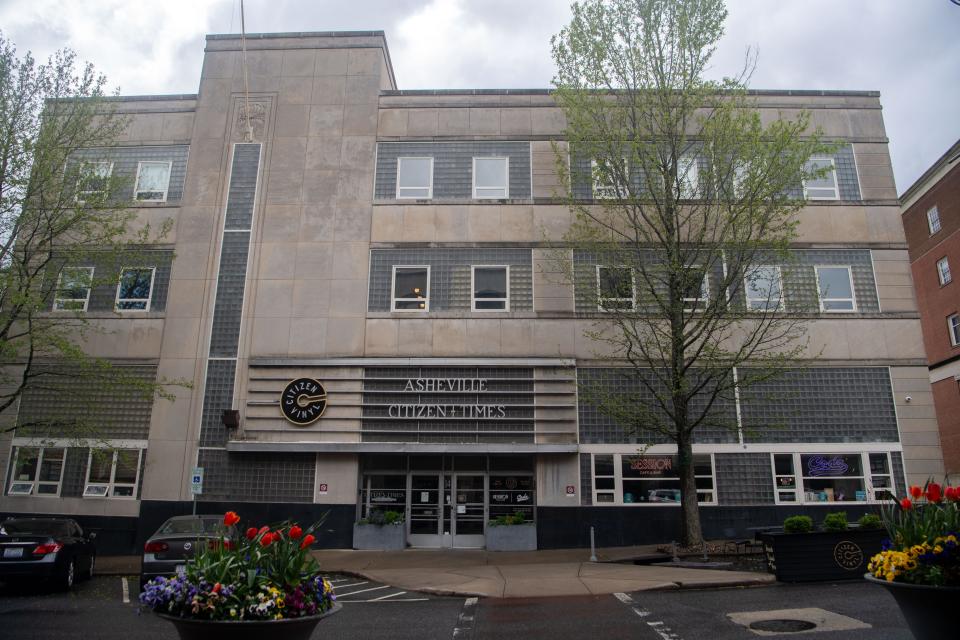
(257, 120)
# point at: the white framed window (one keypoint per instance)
(415, 178)
(153, 181)
(491, 287)
(93, 179)
(763, 286)
(933, 220)
(812, 478)
(604, 479)
(604, 187)
(616, 288)
(135, 288)
(824, 187)
(73, 289)
(411, 288)
(953, 327)
(741, 180)
(688, 177)
(943, 271)
(37, 471)
(835, 288)
(648, 479)
(491, 178)
(696, 289)
(113, 474)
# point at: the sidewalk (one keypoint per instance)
(558, 572)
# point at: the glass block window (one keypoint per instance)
(823, 186)
(743, 478)
(113, 474)
(153, 181)
(73, 289)
(36, 471)
(835, 286)
(763, 285)
(491, 178)
(491, 288)
(943, 271)
(136, 285)
(415, 178)
(258, 477)
(411, 288)
(615, 288)
(933, 220)
(586, 479)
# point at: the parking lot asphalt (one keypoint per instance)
(371, 611)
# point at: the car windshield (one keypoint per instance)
(35, 527)
(191, 525)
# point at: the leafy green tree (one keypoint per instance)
(694, 200)
(59, 208)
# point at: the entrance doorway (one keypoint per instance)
(447, 510)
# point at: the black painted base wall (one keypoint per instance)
(569, 527)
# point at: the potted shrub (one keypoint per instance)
(920, 562)
(252, 586)
(803, 553)
(512, 533)
(383, 530)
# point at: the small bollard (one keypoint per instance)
(673, 552)
(593, 548)
(705, 558)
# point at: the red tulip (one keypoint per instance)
(295, 532)
(231, 518)
(952, 494)
(266, 540)
(934, 493)
(916, 492)
(251, 533)
(216, 588)
(906, 505)
(308, 540)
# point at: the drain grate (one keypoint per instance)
(782, 625)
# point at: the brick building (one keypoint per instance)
(366, 283)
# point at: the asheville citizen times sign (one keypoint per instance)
(449, 404)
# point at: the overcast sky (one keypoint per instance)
(909, 50)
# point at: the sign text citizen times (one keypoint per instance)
(451, 385)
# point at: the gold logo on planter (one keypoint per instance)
(848, 555)
(303, 401)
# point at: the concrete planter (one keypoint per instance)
(512, 537)
(384, 537)
(821, 555)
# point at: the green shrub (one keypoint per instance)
(798, 524)
(835, 521)
(383, 517)
(517, 518)
(870, 521)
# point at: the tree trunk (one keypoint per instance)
(690, 531)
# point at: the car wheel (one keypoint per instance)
(69, 575)
(93, 562)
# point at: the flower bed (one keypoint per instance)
(266, 574)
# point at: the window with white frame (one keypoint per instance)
(953, 327)
(943, 270)
(648, 479)
(37, 471)
(491, 288)
(113, 474)
(933, 220)
(411, 288)
(615, 288)
(817, 185)
(93, 180)
(835, 288)
(688, 177)
(696, 287)
(604, 178)
(832, 477)
(135, 289)
(73, 289)
(741, 180)
(763, 287)
(604, 479)
(153, 181)
(415, 178)
(491, 178)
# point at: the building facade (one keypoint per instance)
(362, 275)
(931, 220)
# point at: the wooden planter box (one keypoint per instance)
(512, 537)
(821, 555)
(383, 537)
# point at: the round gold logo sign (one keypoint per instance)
(848, 555)
(303, 401)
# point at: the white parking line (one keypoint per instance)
(353, 593)
(658, 626)
(389, 595)
(347, 586)
(126, 590)
(468, 614)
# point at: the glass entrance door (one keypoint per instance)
(425, 511)
(469, 510)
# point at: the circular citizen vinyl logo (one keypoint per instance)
(303, 401)
(848, 555)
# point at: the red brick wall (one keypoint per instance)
(936, 302)
(946, 399)
(946, 196)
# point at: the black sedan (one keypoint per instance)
(52, 549)
(175, 542)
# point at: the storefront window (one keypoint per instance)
(832, 478)
(381, 492)
(511, 493)
(785, 480)
(604, 480)
(656, 479)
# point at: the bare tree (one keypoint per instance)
(685, 206)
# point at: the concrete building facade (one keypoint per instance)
(931, 221)
(362, 273)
